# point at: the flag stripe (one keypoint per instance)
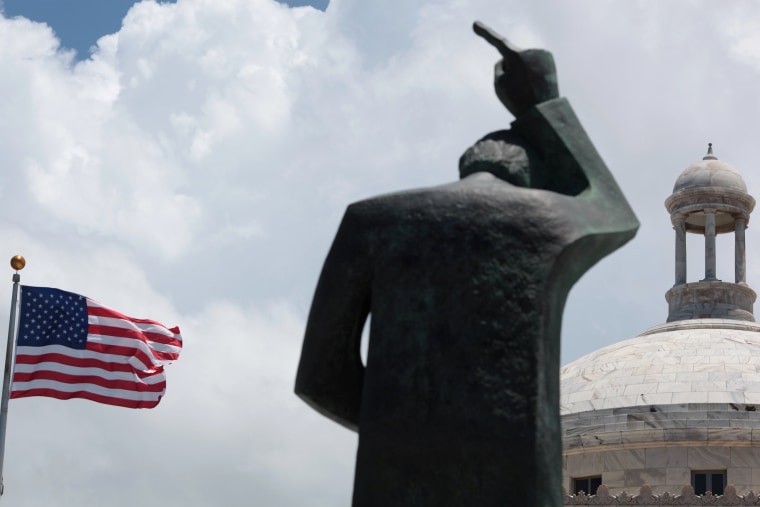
(57, 376)
(136, 339)
(69, 346)
(99, 310)
(136, 358)
(86, 395)
(105, 337)
(69, 371)
(83, 362)
(127, 394)
(129, 347)
(153, 332)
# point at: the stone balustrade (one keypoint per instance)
(646, 498)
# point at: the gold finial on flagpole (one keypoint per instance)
(18, 262)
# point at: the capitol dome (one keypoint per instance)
(676, 410)
(708, 173)
(679, 363)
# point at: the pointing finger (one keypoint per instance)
(506, 49)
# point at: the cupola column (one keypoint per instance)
(709, 245)
(740, 255)
(680, 228)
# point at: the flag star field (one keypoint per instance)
(52, 317)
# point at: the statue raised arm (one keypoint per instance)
(522, 78)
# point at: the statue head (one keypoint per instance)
(500, 154)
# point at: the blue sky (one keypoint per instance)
(194, 166)
(80, 23)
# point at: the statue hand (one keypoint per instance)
(522, 78)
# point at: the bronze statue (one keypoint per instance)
(465, 282)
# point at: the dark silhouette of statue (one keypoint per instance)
(457, 404)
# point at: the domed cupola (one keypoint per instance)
(710, 198)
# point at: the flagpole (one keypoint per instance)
(17, 262)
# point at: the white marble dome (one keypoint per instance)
(678, 406)
(701, 361)
(710, 173)
(679, 402)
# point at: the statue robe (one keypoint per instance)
(457, 404)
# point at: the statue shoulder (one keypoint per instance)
(399, 200)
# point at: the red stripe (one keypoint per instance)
(119, 402)
(161, 338)
(101, 311)
(120, 332)
(85, 363)
(122, 351)
(134, 333)
(126, 385)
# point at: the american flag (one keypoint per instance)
(70, 346)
